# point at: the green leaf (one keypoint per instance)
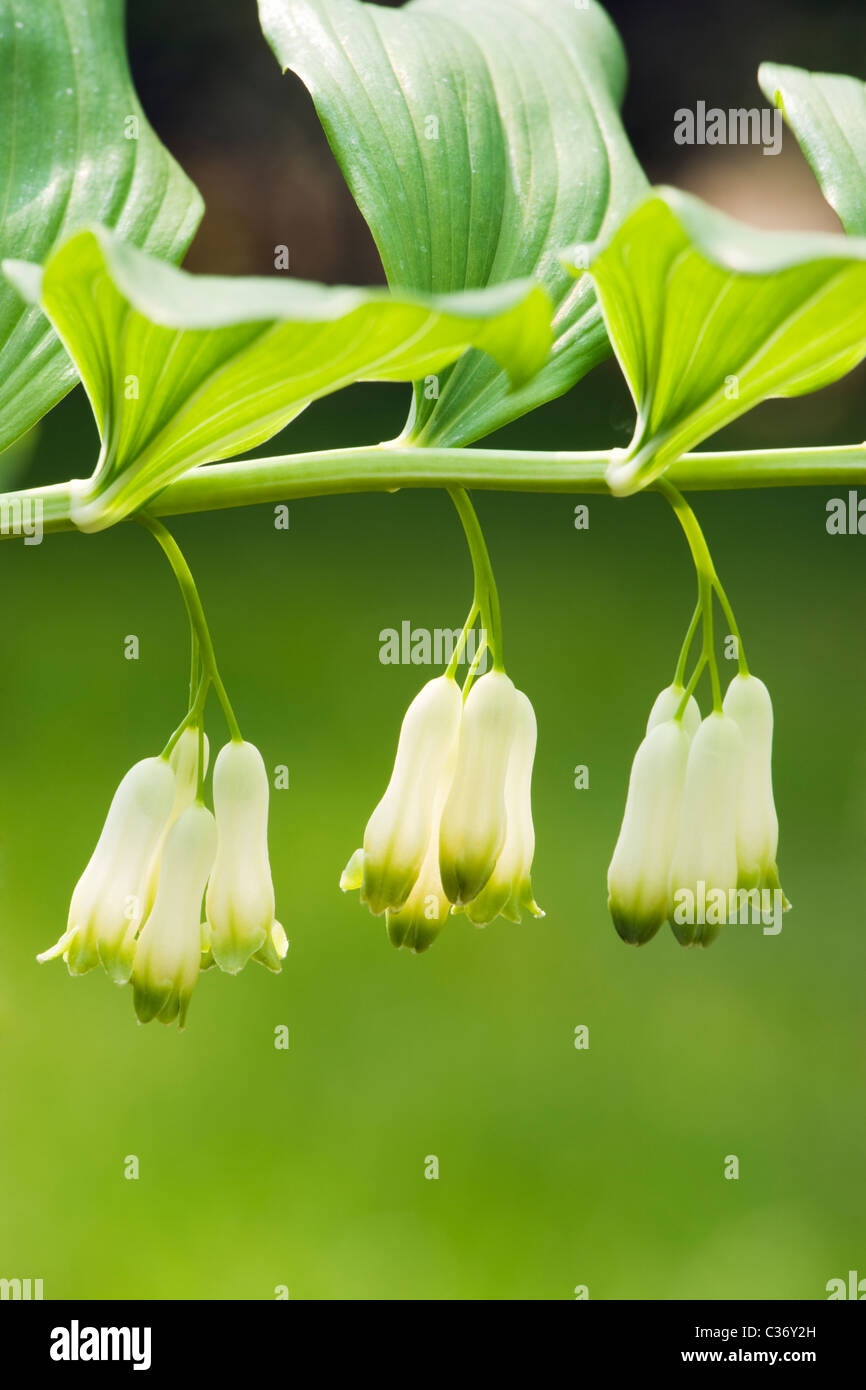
(827, 114)
(709, 317)
(184, 369)
(478, 140)
(75, 147)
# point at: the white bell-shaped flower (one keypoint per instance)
(704, 867)
(637, 880)
(747, 701)
(168, 951)
(184, 760)
(509, 887)
(474, 821)
(110, 899)
(419, 921)
(240, 895)
(398, 832)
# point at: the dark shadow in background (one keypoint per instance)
(249, 137)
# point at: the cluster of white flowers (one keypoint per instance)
(137, 908)
(700, 819)
(453, 832)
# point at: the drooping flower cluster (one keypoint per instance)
(453, 832)
(699, 837)
(136, 909)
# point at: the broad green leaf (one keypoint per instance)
(827, 114)
(478, 140)
(184, 369)
(75, 148)
(709, 317)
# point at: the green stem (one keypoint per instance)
(202, 770)
(194, 665)
(473, 669)
(742, 664)
(386, 468)
(708, 581)
(709, 651)
(486, 594)
(461, 644)
(192, 717)
(691, 529)
(691, 687)
(680, 674)
(186, 583)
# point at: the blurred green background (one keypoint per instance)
(558, 1167)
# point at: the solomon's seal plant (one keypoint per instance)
(521, 245)
(137, 908)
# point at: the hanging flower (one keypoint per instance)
(240, 896)
(747, 701)
(419, 921)
(509, 887)
(184, 762)
(110, 899)
(399, 831)
(168, 952)
(637, 880)
(474, 821)
(704, 867)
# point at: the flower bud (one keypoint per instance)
(704, 867)
(637, 880)
(474, 821)
(240, 896)
(185, 761)
(399, 830)
(109, 901)
(168, 951)
(509, 888)
(748, 703)
(666, 705)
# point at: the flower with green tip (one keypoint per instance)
(704, 863)
(169, 948)
(240, 897)
(637, 880)
(453, 832)
(110, 899)
(270, 954)
(399, 831)
(474, 822)
(508, 890)
(184, 761)
(419, 921)
(747, 701)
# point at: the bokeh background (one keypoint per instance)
(558, 1167)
